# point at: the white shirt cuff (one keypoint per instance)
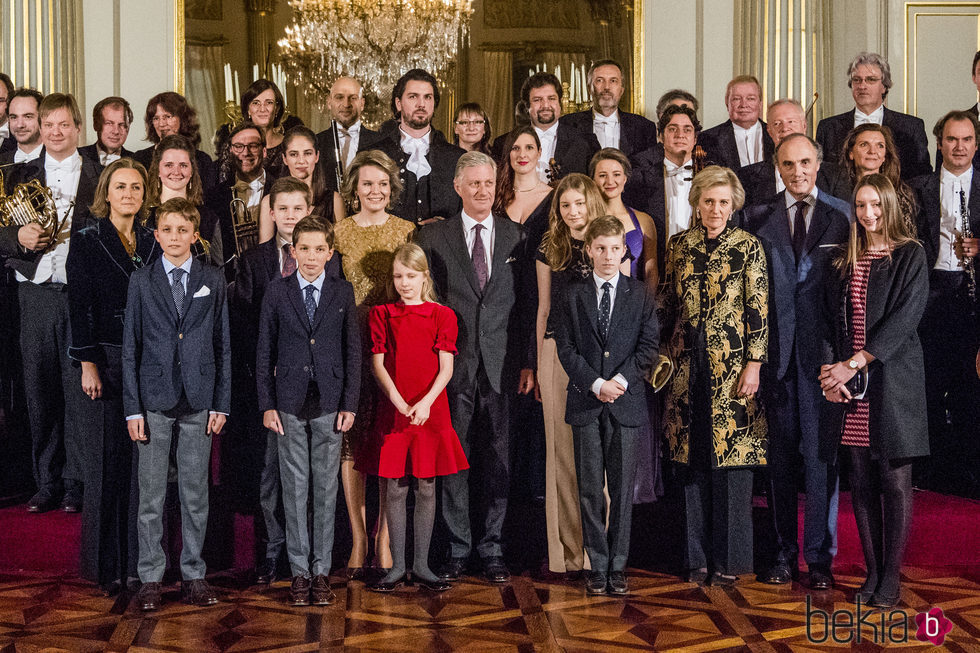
(596, 385)
(622, 381)
(129, 417)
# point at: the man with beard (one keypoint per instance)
(628, 132)
(111, 119)
(6, 90)
(25, 127)
(346, 103)
(742, 139)
(564, 149)
(426, 160)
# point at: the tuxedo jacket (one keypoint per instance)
(759, 181)
(927, 190)
(88, 179)
(164, 355)
(291, 353)
(328, 158)
(719, 143)
(99, 269)
(7, 155)
(92, 152)
(573, 149)
(629, 349)
(796, 290)
(645, 192)
(636, 133)
(908, 131)
(7, 144)
(492, 324)
(432, 195)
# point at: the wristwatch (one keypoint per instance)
(853, 364)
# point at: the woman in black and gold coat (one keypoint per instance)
(713, 308)
(101, 259)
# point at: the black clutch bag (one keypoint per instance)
(858, 385)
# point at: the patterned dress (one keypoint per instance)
(367, 253)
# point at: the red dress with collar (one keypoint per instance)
(411, 337)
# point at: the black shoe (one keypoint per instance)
(866, 591)
(72, 502)
(266, 573)
(697, 576)
(321, 592)
(148, 598)
(355, 573)
(881, 601)
(299, 591)
(780, 573)
(437, 585)
(617, 583)
(495, 570)
(453, 569)
(595, 583)
(821, 579)
(198, 592)
(43, 501)
(719, 579)
(385, 587)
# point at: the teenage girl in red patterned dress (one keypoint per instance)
(413, 344)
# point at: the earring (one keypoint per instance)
(357, 203)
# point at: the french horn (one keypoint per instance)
(29, 202)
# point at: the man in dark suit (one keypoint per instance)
(975, 110)
(569, 148)
(948, 330)
(475, 266)
(761, 180)
(52, 385)
(25, 127)
(6, 90)
(799, 229)
(346, 103)
(607, 339)
(742, 139)
(625, 131)
(869, 77)
(111, 118)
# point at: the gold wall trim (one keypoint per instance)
(911, 35)
(180, 44)
(639, 60)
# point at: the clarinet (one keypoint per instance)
(967, 261)
(339, 168)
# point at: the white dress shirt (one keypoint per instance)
(316, 283)
(811, 201)
(749, 143)
(417, 150)
(950, 220)
(354, 134)
(280, 242)
(256, 188)
(780, 186)
(677, 188)
(614, 282)
(487, 235)
(20, 156)
(4, 130)
(548, 138)
(62, 178)
(876, 116)
(105, 158)
(606, 128)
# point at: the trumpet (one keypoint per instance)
(244, 226)
(28, 203)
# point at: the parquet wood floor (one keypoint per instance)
(662, 613)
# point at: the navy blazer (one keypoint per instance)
(629, 349)
(908, 131)
(573, 149)
(719, 143)
(91, 152)
(26, 262)
(636, 133)
(796, 290)
(288, 347)
(164, 355)
(927, 189)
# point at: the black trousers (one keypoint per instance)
(52, 385)
(486, 444)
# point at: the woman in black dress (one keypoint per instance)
(101, 259)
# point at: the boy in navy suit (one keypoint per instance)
(176, 385)
(307, 374)
(607, 340)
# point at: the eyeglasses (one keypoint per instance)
(866, 80)
(162, 118)
(467, 123)
(238, 148)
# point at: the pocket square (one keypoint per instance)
(203, 292)
(511, 259)
(830, 245)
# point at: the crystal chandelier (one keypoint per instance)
(375, 41)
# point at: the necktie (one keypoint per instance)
(177, 288)
(799, 230)
(288, 262)
(345, 146)
(310, 303)
(479, 256)
(604, 309)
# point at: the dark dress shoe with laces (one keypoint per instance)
(43, 501)
(453, 569)
(780, 573)
(266, 572)
(617, 583)
(384, 587)
(322, 594)
(595, 583)
(299, 591)
(72, 501)
(198, 592)
(495, 570)
(148, 598)
(821, 579)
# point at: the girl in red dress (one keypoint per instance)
(413, 344)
